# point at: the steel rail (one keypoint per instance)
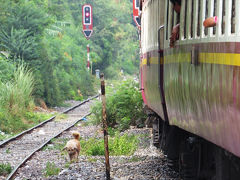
(44, 122)
(13, 173)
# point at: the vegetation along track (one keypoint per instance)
(19, 149)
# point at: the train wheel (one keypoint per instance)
(156, 130)
(190, 159)
(221, 166)
(226, 166)
(172, 146)
(164, 134)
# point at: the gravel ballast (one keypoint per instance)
(146, 163)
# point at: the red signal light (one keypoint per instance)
(136, 12)
(87, 20)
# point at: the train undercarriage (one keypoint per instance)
(192, 156)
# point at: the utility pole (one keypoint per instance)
(104, 121)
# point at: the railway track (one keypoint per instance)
(20, 148)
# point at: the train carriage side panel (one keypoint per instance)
(202, 72)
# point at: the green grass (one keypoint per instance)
(93, 160)
(17, 104)
(7, 151)
(14, 124)
(134, 159)
(61, 117)
(16, 95)
(51, 169)
(67, 165)
(5, 169)
(5, 136)
(34, 118)
(118, 145)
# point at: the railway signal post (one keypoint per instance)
(104, 121)
(136, 13)
(87, 22)
(88, 57)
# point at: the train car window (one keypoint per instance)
(214, 14)
(206, 16)
(161, 18)
(237, 14)
(173, 15)
(170, 18)
(167, 20)
(189, 18)
(195, 12)
(202, 17)
(191, 32)
(185, 21)
(178, 17)
(198, 18)
(233, 16)
(223, 16)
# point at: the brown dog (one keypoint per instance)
(73, 147)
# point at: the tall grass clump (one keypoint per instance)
(16, 95)
(123, 106)
(16, 98)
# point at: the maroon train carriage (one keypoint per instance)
(193, 88)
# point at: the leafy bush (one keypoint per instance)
(118, 145)
(124, 106)
(6, 70)
(111, 73)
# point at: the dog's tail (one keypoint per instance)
(76, 135)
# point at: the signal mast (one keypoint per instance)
(136, 13)
(87, 22)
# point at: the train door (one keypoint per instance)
(152, 18)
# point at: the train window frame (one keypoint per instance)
(233, 17)
(166, 21)
(223, 17)
(192, 29)
(192, 25)
(197, 14)
(185, 31)
(214, 14)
